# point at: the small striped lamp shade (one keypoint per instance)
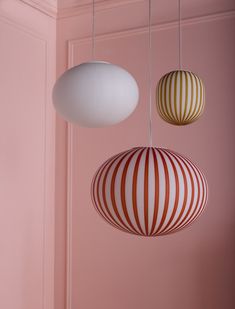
(149, 191)
(180, 97)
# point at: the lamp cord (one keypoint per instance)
(150, 76)
(180, 34)
(93, 29)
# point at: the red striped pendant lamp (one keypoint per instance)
(149, 191)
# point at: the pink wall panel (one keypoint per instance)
(26, 158)
(195, 267)
(22, 168)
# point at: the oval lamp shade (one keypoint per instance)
(180, 97)
(149, 191)
(95, 94)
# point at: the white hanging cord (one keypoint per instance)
(93, 29)
(180, 34)
(150, 77)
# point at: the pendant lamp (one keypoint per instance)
(95, 93)
(180, 93)
(149, 191)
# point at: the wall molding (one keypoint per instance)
(69, 212)
(22, 28)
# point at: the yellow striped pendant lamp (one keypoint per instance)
(149, 191)
(180, 97)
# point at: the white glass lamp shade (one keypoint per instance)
(149, 191)
(180, 97)
(96, 94)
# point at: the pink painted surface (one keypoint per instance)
(105, 268)
(195, 267)
(21, 168)
(27, 155)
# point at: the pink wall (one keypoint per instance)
(56, 251)
(191, 269)
(27, 155)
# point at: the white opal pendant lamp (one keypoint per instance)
(149, 191)
(95, 93)
(180, 97)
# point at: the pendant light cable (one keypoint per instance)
(150, 76)
(93, 29)
(180, 34)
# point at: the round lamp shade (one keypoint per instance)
(95, 94)
(180, 97)
(149, 191)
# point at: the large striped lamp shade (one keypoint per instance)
(149, 191)
(180, 97)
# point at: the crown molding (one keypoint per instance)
(83, 8)
(72, 8)
(47, 7)
(142, 30)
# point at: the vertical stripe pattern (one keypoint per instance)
(180, 97)
(149, 191)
